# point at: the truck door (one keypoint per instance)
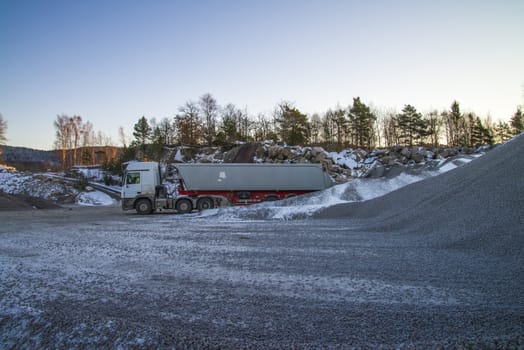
(133, 185)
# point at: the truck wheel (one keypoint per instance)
(143, 206)
(271, 198)
(205, 203)
(184, 206)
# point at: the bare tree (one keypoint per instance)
(168, 130)
(76, 128)
(341, 125)
(434, 122)
(389, 128)
(328, 127)
(209, 109)
(3, 130)
(379, 124)
(189, 124)
(88, 152)
(63, 136)
(163, 133)
(245, 125)
(87, 134)
(316, 128)
(122, 136)
(263, 128)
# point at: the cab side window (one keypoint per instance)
(133, 179)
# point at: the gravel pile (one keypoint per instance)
(479, 206)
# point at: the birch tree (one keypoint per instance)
(63, 136)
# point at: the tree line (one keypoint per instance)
(358, 125)
(205, 123)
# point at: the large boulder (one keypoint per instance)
(417, 157)
(406, 152)
(377, 170)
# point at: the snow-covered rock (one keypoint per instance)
(48, 188)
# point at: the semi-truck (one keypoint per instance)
(207, 186)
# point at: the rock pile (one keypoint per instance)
(344, 165)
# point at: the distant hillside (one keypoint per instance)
(24, 158)
(29, 159)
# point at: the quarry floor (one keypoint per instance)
(85, 277)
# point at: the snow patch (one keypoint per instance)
(357, 163)
(450, 164)
(94, 198)
(178, 156)
(49, 187)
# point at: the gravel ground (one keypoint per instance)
(95, 277)
(438, 264)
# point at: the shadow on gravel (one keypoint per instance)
(23, 202)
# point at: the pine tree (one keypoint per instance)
(486, 132)
(455, 125)
(292, 124)
(361, 124)
(478, 133)
(411, 125)
(503, 131)
(517, 122)
(142, 133)
(230, 128)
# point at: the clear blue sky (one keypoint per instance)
(114, 61)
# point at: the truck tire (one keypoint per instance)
(205, 203)
(271, 198)
(184, 206)
(143, 206)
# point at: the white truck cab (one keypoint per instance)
(141, 185)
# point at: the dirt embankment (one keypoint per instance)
(23, 202)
